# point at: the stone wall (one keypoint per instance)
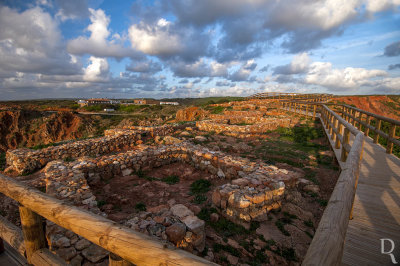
(239, 199)
(261, 125)
(163, 130)
(27, 160)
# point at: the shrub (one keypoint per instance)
(200, 186)
(140, 206)
(170, 180)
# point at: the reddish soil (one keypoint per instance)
(374, 104)
(121, 194)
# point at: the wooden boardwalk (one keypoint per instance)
(376, 212)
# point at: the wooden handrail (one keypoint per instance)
(122, 241)
(327, 245)
(380, 117)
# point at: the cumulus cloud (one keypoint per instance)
(392, 67)
(146, 66)
(31, 42)
(299, 64)
(381, 5)
(98, 43)
(243, 73)
(392, 49)
(166, 40)
(322, 73)
(97, 70)
(200, 68)
(304, 71)
(72, 9)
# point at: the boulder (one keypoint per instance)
(94, 253)
(181, 211)
(176, 232)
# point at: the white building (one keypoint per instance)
(169, 103)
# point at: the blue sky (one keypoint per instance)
(188, 48)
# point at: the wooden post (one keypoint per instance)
(115, 260)
(367, 121)
(359, 123)
(340, 129)
(314, 111)
(392, 133)
(335, 125)
(306, 114)
(32, 230)
(378, 127)
(346, 140)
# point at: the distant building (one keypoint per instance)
(146, 101)
(169, 103)
(94, 101)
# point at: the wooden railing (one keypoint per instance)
(327, 245)
(122, 242)
(355, 116)
(292, 96)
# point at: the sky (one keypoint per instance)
(190, 48)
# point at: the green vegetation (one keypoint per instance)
(170, 180)
(2, 161)
(199, 199)
(222, 226)
(101, 203)
(69, 159)
(227, 248)
(200, 186)
(140, 206)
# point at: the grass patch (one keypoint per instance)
(69, 159)
(309, 223)
(200, 186)
(171, 179)
(101, 203)
(199, 199)
(140, 206)
(218, 247)
(281, 226)
(2, 161)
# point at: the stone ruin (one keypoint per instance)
(252, 189)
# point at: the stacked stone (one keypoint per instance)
(27, 160)
(71, 186)
(174, 223)
(221, 126)
(251, 177)
(163, 130)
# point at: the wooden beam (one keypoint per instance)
(378, 127)
(133, 246)
(12, 235)
(392, 133)
(1, 246)
(32, 229)
(346, 140)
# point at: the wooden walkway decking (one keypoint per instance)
(376, 212)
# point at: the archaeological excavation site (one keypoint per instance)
(242, 182)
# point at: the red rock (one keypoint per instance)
(216, 198)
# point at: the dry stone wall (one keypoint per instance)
(261, 125)
(27, 160)
(256, 187)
